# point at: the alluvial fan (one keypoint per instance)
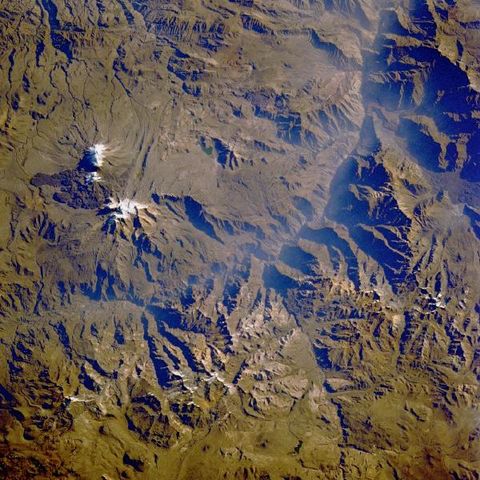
(240, 239)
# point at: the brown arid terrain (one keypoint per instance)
(240, 239)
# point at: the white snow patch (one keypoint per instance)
(94, 177)
(438, 301)
(125, 208)
(74, 398)
(98, 153)
(216, 376)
